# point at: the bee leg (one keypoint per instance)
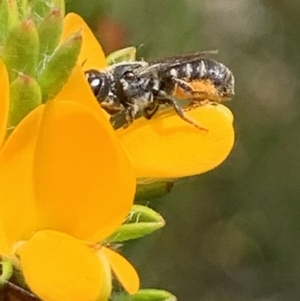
(130, 113)
(128, 118)
(172, 102)
(195, 104)
(150, 111)
(200, 98)
(183, 85)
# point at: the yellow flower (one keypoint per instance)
(165, 146)
(66, 185)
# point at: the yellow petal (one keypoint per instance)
(78, 90)
(123, 270)
(4, 101)
(168, 147)
(17, 206)
(91, 55)
(58, 267)
(84, 182)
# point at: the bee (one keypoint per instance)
(141, 87)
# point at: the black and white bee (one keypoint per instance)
(138, 87)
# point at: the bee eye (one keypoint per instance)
(128, 75)
(98, 83)
(94, 79)
(95, 83)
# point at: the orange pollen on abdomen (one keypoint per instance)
(202, 89)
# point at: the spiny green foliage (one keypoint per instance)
(38, 63)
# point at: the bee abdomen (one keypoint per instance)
(199, 70)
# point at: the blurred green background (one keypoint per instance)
(233, 233)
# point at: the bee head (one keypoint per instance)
(99, 83)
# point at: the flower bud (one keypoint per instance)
(149, 190)
(141, 221)
(9, 17)
(41, 9)
(59, 66)
(20, 51)
(25, 95)
(22, 7)
(49, 31)
(146, 295)
(127, 54)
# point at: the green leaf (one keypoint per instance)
(145, 295)
(25, 95)
(151, 190)
(49, 31)
(140, 222)
(123, 55)
(20, 52)
(58, 67)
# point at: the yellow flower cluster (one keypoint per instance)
(67, 179)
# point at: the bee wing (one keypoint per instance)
(187, 57)
(174, 61)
